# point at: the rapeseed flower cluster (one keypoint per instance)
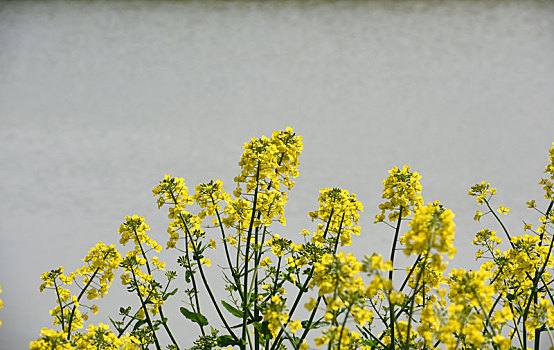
(96, 277)
(93, 279)
(101, 263)
(402, 193)
(271, 161)
(275, 314)
(101, 337)
(96, 337)
(431, 228)
(173, 191)
(482, 192)
(338, 281)
(267, 166)
(338, 213)
(142, 282)
(352, 304)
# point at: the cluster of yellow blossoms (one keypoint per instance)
(402, 193)
(134, 228)
(173, 191)
(96, 337)
(338, 280)
(96, 276)
(339, 212)
(431, 228)
(503, 305)
(275, 315)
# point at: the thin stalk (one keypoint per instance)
(411, 309)
(80, 296)
(392, 323)
(133, 318)
(60, 303)
(343, 325)
(192, 278)
(246, 257)
(533, 295)
(410, 273)
(515, 325)
(256, 309)
(393, 251)
(166, 327)
(146, 313)
(365, 331)
(501, 224)
(207, 286)
(487, 321)
(233, 272)
(304, 288)
(381, 317)
(187, 257)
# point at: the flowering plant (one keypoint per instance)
(348, 303)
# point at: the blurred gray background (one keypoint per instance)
(98, 100)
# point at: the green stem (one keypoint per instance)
(304, 289)
(245, 302)
(538, 274)
(256, 309)
(392, 253)
(393, 250)
(166, 327)
(411, 309)
(191, 272)
(410, 273)
(515, 324)
(233, 272)
(207, 286)
(381, 317)
(343, 325)
(188, 267)
(146, 313)
(80, 296)
(312, 315)
(61, 318)
(501, 224)
(133, 318)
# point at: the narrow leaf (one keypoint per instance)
(167, 295)
(194, 317)
(227, 340)
(234, 311)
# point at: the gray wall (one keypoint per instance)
(98, 100)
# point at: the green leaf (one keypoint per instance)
(195, 317)
(227, 340)
(368, 342)
(236, 312)
(138, 324)
(167, 295)
(314, 325)
(116, 324)
(263, 329)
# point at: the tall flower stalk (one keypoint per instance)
(282, 291)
